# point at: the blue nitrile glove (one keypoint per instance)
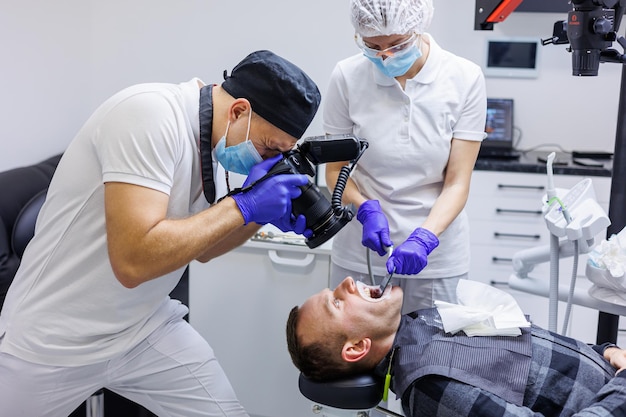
(375, 227)
(260, 169)
(270, 199)
(412, 255)
(290, 223)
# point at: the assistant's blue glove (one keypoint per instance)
(412, 255)
(260, 169)
(375, 227)
(270, 199)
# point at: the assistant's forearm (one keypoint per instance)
(446, 208)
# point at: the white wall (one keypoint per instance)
(61, 59)
(43, 77)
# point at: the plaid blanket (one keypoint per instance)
(567, 378)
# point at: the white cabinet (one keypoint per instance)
(504, 209)
(239, 303)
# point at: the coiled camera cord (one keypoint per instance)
(340, 186)
(335, 201)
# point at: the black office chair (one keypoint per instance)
(22, 191)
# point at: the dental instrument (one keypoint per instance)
(377, 293)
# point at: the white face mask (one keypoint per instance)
(239, 158)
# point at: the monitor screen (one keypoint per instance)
(513, 57)
(499, 124)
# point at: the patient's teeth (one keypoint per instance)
(376, 293)
(371, 292)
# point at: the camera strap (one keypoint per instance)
(206, 128)
(245, 189)
(282, 170)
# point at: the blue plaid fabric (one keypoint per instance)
(567, 378)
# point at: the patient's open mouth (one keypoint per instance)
(372, 292)
(376, 292)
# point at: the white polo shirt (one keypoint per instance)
(409, 133)
(65, 307)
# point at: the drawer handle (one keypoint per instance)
(306, 261)
(533, 212)
(496, 259)
(498, 234)
(523, 187)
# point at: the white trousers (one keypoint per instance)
(418, 292)
(173, 372)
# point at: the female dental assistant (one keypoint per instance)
(423, 111)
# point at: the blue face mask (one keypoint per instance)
(399, 64)
(239, 158)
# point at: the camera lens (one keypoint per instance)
(319, 215)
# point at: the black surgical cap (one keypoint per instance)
(278, 91)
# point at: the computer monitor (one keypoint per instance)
(499, 124)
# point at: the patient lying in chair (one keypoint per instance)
(335, 334)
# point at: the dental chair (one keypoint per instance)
(356, 396)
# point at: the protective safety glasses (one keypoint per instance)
(388, 52)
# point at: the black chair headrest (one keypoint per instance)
(360, 392)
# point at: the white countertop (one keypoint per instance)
(271, 237)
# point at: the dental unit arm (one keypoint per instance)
(586, 220)
(573, 218)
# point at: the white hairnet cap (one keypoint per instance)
(391, 17)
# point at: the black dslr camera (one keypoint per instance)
(324, 218)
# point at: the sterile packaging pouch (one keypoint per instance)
(606, 269)
(482, 310)
(611, 255)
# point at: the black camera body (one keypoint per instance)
(322, 217)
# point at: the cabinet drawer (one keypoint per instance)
(487, 184)
(517, 234)
(505, 209)
(509, 185)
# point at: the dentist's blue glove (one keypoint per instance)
(375, 227)
(270, 199)
(412, 255)
(260, 169)
(290, 223)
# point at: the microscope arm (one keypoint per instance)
(489, 12)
